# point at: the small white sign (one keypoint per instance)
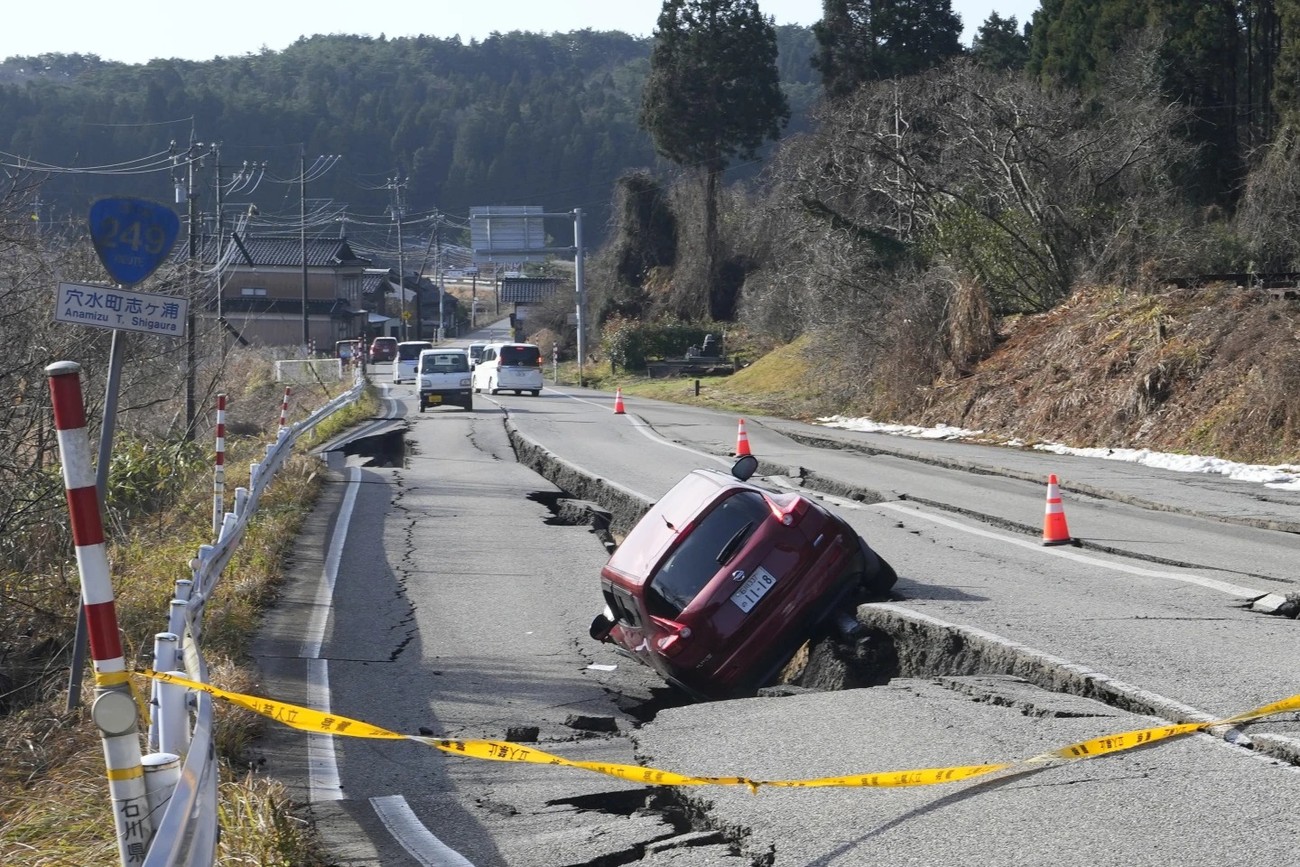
(121, 309)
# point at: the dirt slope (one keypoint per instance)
(1212, 371)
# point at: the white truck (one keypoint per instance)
(442, 376)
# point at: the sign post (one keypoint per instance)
(132, 237)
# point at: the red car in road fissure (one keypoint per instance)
(722, 580)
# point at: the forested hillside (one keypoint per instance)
(519, 118)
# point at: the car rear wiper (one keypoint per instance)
(733, 544)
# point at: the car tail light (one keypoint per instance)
(790, 511)
(672, 643)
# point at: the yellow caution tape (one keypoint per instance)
(310, 720)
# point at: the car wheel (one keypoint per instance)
(469, 405)
(601, 624)
(421, 406)
(492, 387)
(518, 392)
(878, 576)
(536, 391)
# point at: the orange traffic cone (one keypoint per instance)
(742, 440)
(1054, 530)
(618, 401)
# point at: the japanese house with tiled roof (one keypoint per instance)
(262, 289)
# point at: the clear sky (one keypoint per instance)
(139, 32)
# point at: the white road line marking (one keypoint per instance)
(322, 761)
(643, 427)
(414, 837)
(323, 782)
(329, 574)
(1238, 590)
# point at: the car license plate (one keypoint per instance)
(753, 589)
(433, 398)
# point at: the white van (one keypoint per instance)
(513, 367)
(443, 378)
(408, 356)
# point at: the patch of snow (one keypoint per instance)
(1284, 477)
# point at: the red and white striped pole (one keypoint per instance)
(219, 470)
(114, 711)
(284, 408)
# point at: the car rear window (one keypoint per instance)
(411, 351)
(705, 550)
(521, 356)
(451, 362)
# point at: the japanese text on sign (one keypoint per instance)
(122, 309)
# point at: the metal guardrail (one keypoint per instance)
(186, 834)
(176, 825)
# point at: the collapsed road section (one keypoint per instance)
(899, 643)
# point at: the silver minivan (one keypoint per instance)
(513, 367)
(408, 356)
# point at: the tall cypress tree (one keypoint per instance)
(868, 40)
(713, 95)
(999, 45)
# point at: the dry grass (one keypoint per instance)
(54, 803)
(1208, 371)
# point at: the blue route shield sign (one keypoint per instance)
(132, 236)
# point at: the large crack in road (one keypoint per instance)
(897, 644)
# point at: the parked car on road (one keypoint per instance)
(443, 378)
(722, 580)
(383, 349)
(513, 367)
(408, 355)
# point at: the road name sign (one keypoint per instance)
(132, 236)
(122, 309)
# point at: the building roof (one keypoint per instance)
(273, 251)
(337, 307)
(375, 280)
(527, 290)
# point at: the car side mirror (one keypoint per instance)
(744, 467)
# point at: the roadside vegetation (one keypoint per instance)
(53, 793)
(54, 804)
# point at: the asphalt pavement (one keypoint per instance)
(1191, 801)
(1206, 495)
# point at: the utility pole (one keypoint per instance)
(302, 241)
(579, 285)
(437, 264)
(193, 157)
(396, 185)
(220, 249)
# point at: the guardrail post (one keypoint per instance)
(162, 771)
(114, 711)
(166, 654)
(173, 713)
(176, 617)
(228, 525)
